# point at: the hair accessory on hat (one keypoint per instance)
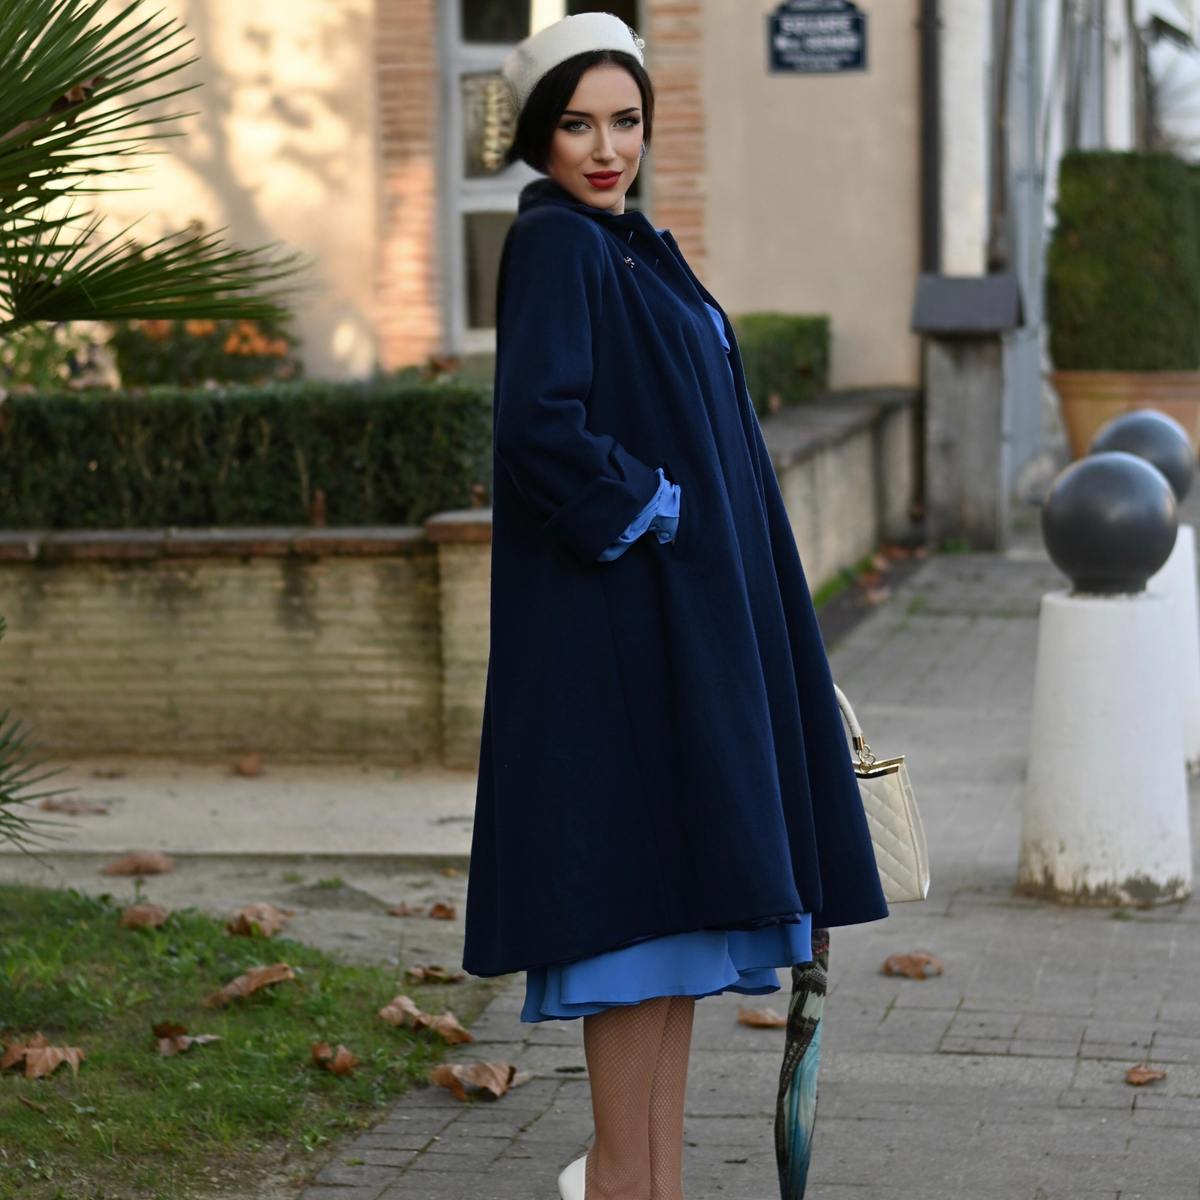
(542, 52)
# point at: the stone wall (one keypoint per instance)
(313, 645)
(846, 468)
(355, 642)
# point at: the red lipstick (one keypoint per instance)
(603, 179)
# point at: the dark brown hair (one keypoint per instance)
(549, 99)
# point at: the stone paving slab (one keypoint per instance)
(183, 806)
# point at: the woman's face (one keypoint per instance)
(597, 146)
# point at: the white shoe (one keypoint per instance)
(573, 1181)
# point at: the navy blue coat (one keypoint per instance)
(662, 749)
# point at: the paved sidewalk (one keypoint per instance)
(1002, 1079)
(204, 808)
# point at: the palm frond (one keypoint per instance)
(63, 69)
(21, 777)
(68, 274)
(68, 120)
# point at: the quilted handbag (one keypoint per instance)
(891, 808)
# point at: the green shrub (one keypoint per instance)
(1123, 272)
(41, 357)
(786, 358)
(382, 453)
(191, 353)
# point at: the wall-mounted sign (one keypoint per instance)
(817, 37)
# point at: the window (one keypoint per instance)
(480, 190)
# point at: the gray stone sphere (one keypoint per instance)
(1158, 439)
(1109, 522)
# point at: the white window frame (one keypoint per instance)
(458, 195)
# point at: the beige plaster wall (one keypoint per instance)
(281, 149)
(813, 186)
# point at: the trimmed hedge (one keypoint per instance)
(1123, 270)
(786, 358)
(383, 453)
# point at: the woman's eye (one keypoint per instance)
(573, 126)
(628, 122)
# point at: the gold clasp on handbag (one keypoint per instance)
(862, 751)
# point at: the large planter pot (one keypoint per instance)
(1090, 399)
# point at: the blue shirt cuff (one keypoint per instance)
(660, 515)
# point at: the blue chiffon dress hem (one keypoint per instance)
(705, 962)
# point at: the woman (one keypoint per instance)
(666, 804)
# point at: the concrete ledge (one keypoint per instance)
(797, 433)
(846, 469)
(130, 545)
(461, 525)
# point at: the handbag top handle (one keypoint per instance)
(861, 750)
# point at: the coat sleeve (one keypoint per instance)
(587, 485)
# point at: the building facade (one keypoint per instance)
(354, 131)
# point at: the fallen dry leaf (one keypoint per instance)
(259, 920)
(48, 1059)
(401, 1011)
(920, 964)
(25, 1100)
(141, 862)
(443, 912)
(139, 916)
(491, 1078)
(72, 805)
(249, 983)
(447, 1027)
(451, 871)
(869, 579)
(14, 1052)
(337, 1062)
(402, 910)
(1142, 1074)
(250, 766)
(434, 974)
(174, 1039)
(876, 595)
(169, 1047)
(761, 1018)
(109, 772)
(40, 1058)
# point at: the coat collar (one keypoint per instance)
(543, 192)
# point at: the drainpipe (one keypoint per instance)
(931, 209)
(931, 140)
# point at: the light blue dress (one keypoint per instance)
(702, 963)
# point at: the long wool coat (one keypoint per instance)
(662, 749)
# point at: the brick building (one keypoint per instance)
(349, 129)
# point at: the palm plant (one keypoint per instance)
(69, 117)
(21, 775)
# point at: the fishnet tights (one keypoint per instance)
(637, 1058)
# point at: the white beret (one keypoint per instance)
(542, 52)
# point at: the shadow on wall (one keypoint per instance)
(279, 149)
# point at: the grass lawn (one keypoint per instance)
(134, 1125)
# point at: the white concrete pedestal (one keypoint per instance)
(1106, 810)
(1177, 579)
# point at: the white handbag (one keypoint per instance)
(887, 796)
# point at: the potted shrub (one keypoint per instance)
(1123, 291)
